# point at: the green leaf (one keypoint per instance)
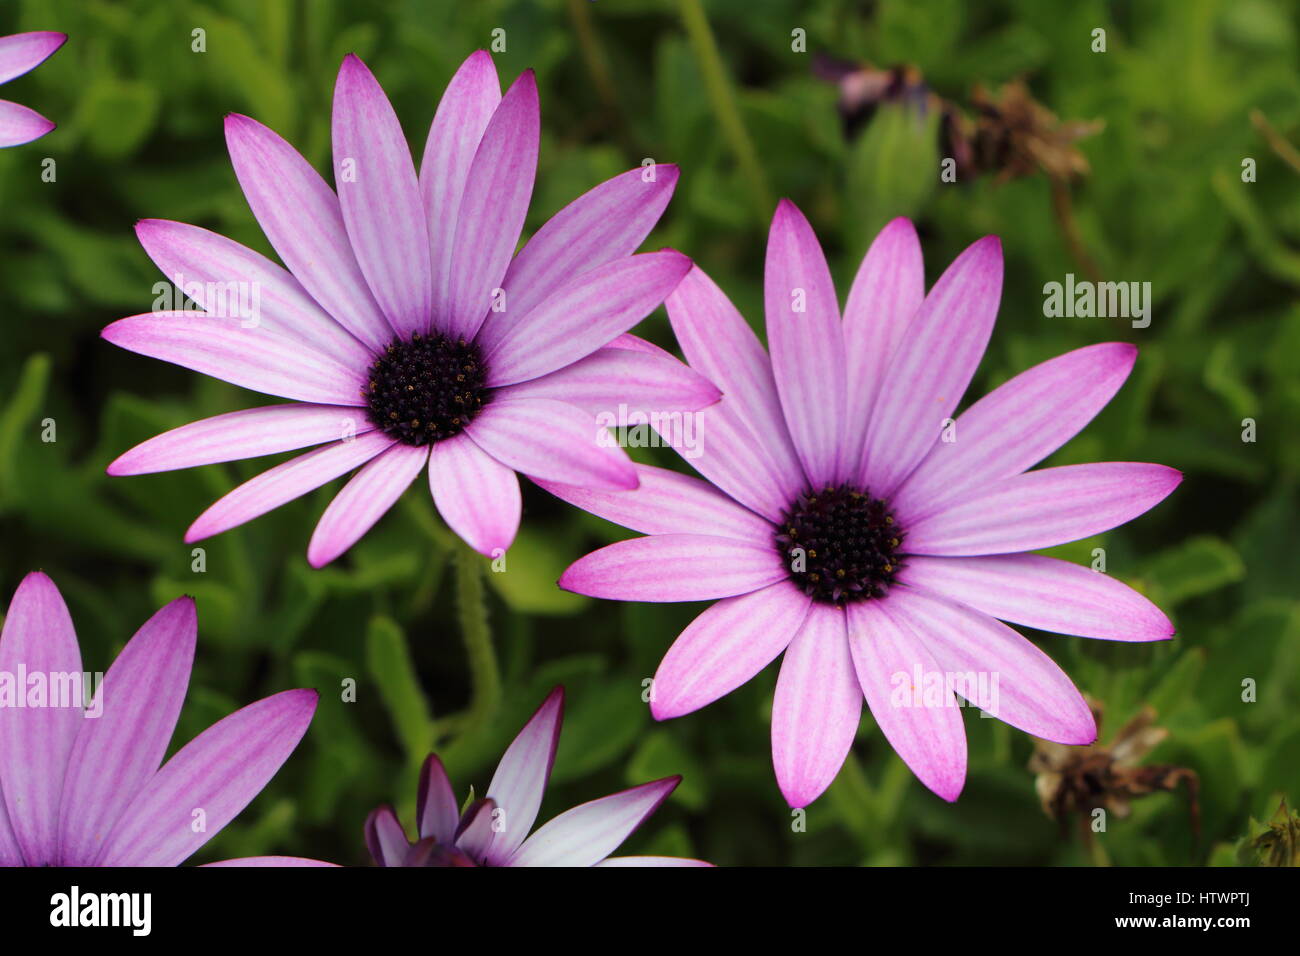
(390, 666)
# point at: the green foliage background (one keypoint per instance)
(140, 136)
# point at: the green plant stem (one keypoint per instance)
(485, 676)
(723, 101)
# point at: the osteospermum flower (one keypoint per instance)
(841, 526)
(81, 785)
(409, 334)
(20, 53)
(493, 830)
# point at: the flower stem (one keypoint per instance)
(485, 677)
(724, 105)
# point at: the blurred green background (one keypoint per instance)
(723, 89)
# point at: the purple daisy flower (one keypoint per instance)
(81, 785)
(841, 525)
(493, 830)
(406, 331)
(19, 54)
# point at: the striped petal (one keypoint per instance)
(551, 440)
(887, 291)
(725, 646)
(1017, 425)
(583, 315)
(929, 371)
(36, 740)
(476, 495)
(675, 567)
(436, 802)
(817, 707)
(1044, 593)
(463, 114)
(20, 125)
(667, 502)
(380, 198)
(1041, 509)
(364, 500)
(895, 671)
(302, 219)
(211, 779)
(609, 222)
(1022, 685)
(285, 482)
(243, 434)
(233, 282)
(21, 52)
(493, 207)
(251, 358)
(119, 751)
(718, 342)
(804, 334)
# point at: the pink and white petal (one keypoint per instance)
(435, 804)
(606, 223)
(1018, 424)
(725, 451)
(20, 125)
(521, 776)
(235, 436)
(211, 269)
(551, 440)
(21, 52)
(478, 830)
(725, 646)
(364, 500)
(887, 291)
(302, 219)
(807, 343)
(10, 853)
(592, 831)
(625, 386)
(117, 752)
(218, 772)
(1042, 592)
(1021, 685)
(666, 502)
(463, 114)
(285, 482)
(385, 838)
(583, 315)
(675, 567)
(252, 358)
(927, 733)
(1043, 508)
(380, 198)
(36, 740)
(928, 372)
(817, 707)
(493, 207)
(719, 343)
(476, 495)
(651, 861)
(272, 861)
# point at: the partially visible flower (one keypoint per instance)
(20, 53)
(1078, 780)
(407, 332)
(83, 787)
(849, 523)
(1275, 844)
(493, 830)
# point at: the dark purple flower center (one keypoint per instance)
(840, 544)
(427, 389)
